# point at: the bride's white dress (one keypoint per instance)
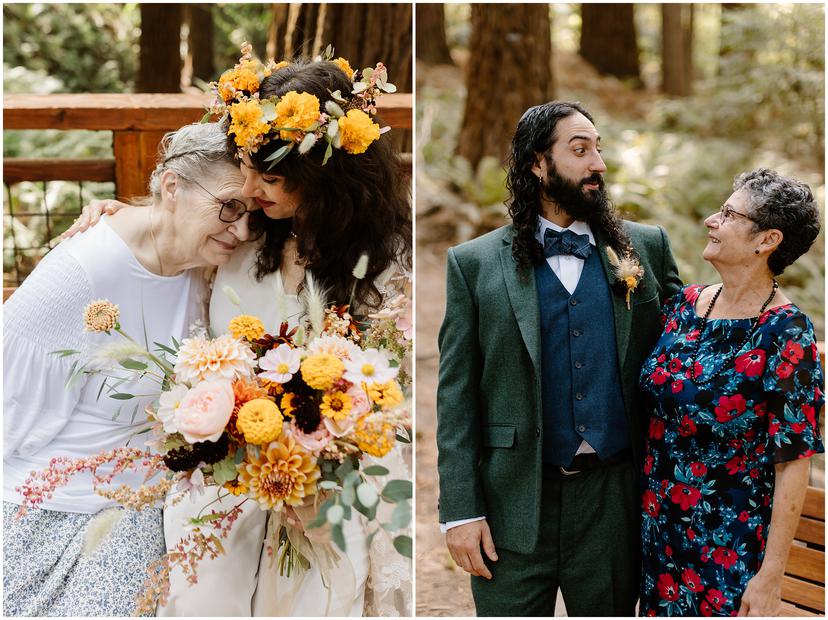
(245, 580)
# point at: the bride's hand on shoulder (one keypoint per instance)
(92, 213)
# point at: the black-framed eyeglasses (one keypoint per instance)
(728, 213)
(232, 210)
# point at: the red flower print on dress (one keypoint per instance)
(696, 371)
(760, 409)
(648, 464)
(706, 609)
(735, 465)
(691, 336)
(784, 370)
(730, 407)
(810, 414)
(751, 363)
(715, 598)
(793, 352)
(687, 427)
(773, 425)
(684, 495)
(676, 386)
(726, 557)
(659, 376)
(649, 502)
(744, 516)
(667, 587)
(698, 469)
(670, 326)
(691, 293)
(799, 427)
(675, 365)
(656, 428)
(691, 580)
(691, 535)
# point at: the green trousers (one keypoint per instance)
(588, 547)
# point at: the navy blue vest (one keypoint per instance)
(580, 383)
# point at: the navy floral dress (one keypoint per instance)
(709, 472)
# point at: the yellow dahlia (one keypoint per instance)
(200, 359)
(282, 473)
(321, 370)
(345, 66)
(336, 405)
(296, 110)
(374, 435)
(358, 131)
(246, 326)
(260, 421)
(101, 316)
(246, 123)
(385, 395)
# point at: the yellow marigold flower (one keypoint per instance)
(298, 110)
(241, 77)
(358, 131)
(336, 405)
(345, 66)
(385, 395)
(320, 371)
(246, 326)
(283, 473)
(246, 123)
(373, 435)
(287, 403)
(101, 316)
(236, 487)
(260, 421)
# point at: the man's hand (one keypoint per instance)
(763, 595)
(91, 214)
(464, 542)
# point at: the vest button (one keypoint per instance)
(581, 428)
(579, 396)
(579, 364)
(573, 301)
(576, 332)
(537, 431)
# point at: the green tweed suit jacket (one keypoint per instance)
(489, 417)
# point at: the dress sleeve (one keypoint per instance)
(794, 386)
(43, 315)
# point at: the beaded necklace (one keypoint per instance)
(703, 323)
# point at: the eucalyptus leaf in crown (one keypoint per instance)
(299, 119)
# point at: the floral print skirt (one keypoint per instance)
(74, 564)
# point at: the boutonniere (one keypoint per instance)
(628, 273)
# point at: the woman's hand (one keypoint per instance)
(91, 214)
(763, 594)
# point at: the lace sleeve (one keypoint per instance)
(45, 314)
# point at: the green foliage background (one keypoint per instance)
(761, 105)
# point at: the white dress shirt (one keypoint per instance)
(568, 270)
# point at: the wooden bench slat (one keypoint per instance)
(810, 530)
(806, 563)
(18, 169)
(802, 593)
(814, 505)
(789, 610)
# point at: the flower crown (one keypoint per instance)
(298, 118)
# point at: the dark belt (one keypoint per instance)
(586, 462)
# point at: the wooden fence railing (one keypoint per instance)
(137, 122)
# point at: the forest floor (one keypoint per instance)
(442, 588)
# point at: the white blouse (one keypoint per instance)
(43, 418)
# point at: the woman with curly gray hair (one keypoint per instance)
(734, 388)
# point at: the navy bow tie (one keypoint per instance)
(565, 242)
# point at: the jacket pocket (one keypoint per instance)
(500, 435)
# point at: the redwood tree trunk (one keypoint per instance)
(201, 41)
(160, 55)
(677, 49)
(432, 47)
(510, 70)
(608, 40)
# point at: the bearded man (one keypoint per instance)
(540, 432)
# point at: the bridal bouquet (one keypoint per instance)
(289, 421)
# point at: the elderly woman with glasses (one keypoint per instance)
(734, 389)
(79, 555)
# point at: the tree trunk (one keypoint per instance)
(608, 40)
(301, 31)
(200, 47)
(278, 46)
(677, 49)
(431, 35)
(510, 70)
(160, 55)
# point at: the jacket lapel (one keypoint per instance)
(523, 297)
(623, 316)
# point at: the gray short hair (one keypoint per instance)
(190, 152)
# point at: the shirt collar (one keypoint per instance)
(579, 227)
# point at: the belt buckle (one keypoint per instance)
(567, 472)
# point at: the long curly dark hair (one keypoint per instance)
(535, 134)
(354, 204)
